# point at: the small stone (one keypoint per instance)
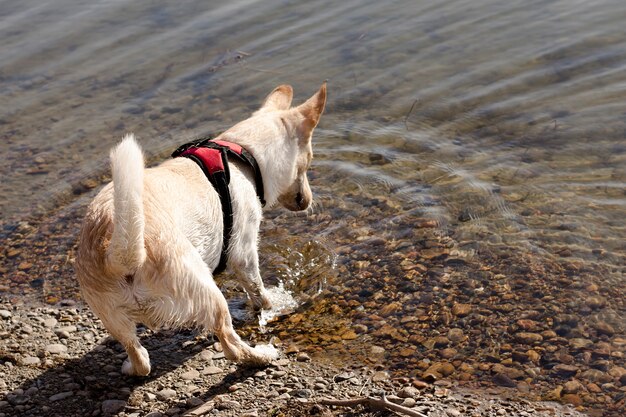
(565, 371)
(572, 387)
(303, 357)
(408, 402)
(603, 327)
(194, 402)
(206, 355)
(419, 384)
(580, 343)
(528, 325)
(344, 376)
(591, 387)
(30, 360)
(291, 349)
(166, 394)
(62, 334)
(453, 412)
(211, 370)
(148, 396)
(573, 399)
(190, 375)
(377, 350)
(380, 376)
(61, 396)
(110, 407)
(409, 392)
(528, 338)
(56, 348)
(461, 310)
(448, 353)
(456, 335)
(50, 323)
(302, 393)
(230, 404)
(503, 381)
(595, 375)
(5, 314)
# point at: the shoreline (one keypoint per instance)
(58, 361)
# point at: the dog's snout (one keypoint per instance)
(299, 199)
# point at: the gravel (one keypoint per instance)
(55, 370)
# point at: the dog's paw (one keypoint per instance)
(137, 369)
(266, 353)
(261, 302)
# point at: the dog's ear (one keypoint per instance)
(312, 110)
(279, 99)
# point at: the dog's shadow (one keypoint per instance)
(78, 387)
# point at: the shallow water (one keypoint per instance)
(502, 123)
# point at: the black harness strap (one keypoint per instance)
(212, 157)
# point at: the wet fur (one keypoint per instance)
(151, 238)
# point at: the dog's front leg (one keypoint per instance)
(245, 264)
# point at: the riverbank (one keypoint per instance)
(58, 361)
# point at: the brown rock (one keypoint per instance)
(390, 309)
(461, 310)
(528, 325)
(565, 371)
(291, 349)
(528, 338)
(596, 302)
(24, 266)
(448, 353)
(503, 381)
(617, 372)
(603, 327)
(572, 387)
(419, 384)
(580, 343)
(595, 375)
(533, 356)
(456, 335)
(409, 392)
(380, 376)
(573, 399)
(446, 369)
(591, 387)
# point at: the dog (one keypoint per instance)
(152, 237)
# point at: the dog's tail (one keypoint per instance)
(127, 250)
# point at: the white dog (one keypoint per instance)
(152, 237)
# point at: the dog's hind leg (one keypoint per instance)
(124, 330)
(198, 292)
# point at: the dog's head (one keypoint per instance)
(279, 137)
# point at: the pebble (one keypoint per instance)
(528, 338)
(110, 407)
(409, 392)
(5, 314)
(56, 348)
(166, 394)
(190, 375)
(61, 396)
(456, 335)
(303, 357)
(50, 323)
(380, 376)
(30, 360)
(461, 310)
(211, 370)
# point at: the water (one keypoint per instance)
(501, 124)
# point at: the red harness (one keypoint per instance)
(212, 157)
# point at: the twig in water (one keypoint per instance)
(377, 404)
(406, 119)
